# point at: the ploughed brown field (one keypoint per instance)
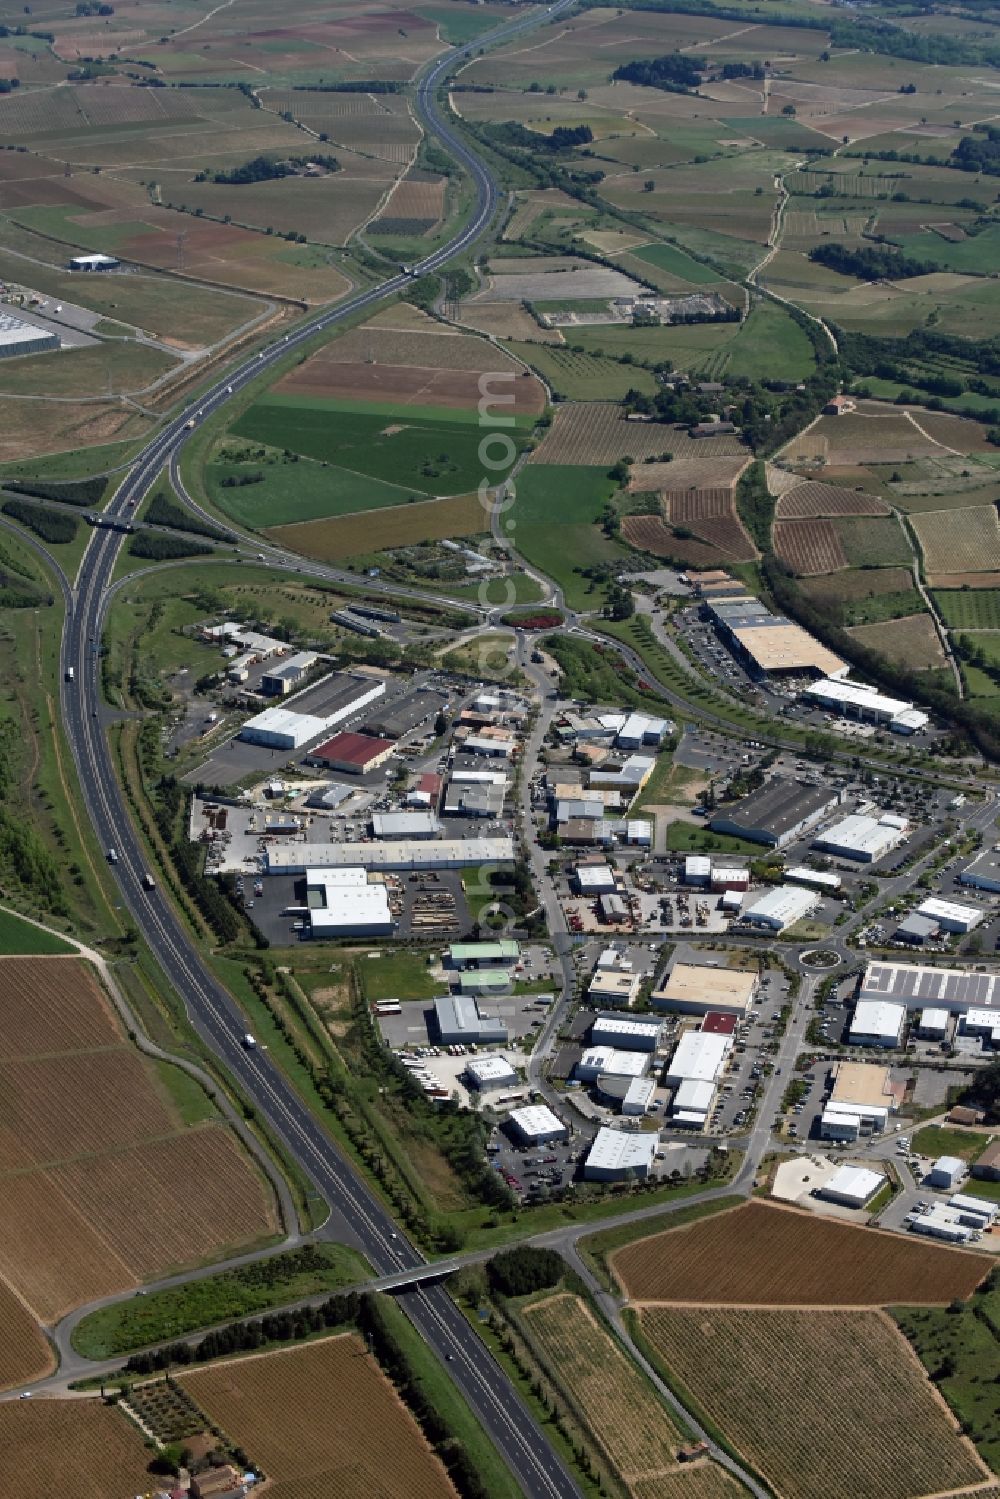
(650, 533)
(322, 1420)
(375, 530)
(410, 386)
(911, 641)
(79, 1447)
(809, 546)
(812, 499)
(762, 1255)
(102, 1184)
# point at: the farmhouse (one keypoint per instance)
(617, 1156)
(840, 406)
(781, 811)
(695, 989)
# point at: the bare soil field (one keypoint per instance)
(698, 1480)
(79, 1447)
(877, 1429)
(103, 1184)
(965, 580)
(322, 1419)
(587, 283)
(25, 1354)
(598, 432)
(375, 530)
(507, 320)
(860, 583)
(32, 427)
(612, 1398)
(912, 641)
(406, 385)
(650, 533)
(421, 347)
(958, 540)
(806, 500)
(763, 1255)
(861, 437)
(809, 546)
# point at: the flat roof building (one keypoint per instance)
(595, 879)
(638, 730)
(405, 825)
(916, 929)
(280, 679)
(630, 1034)
(699, 1056)
(877, 1023)
(855, 700)
(608, 1061)
(501, 953)
(485, 1073)
(784, 649)
(697, 869)
(818, 879)
(20, 337)
(865, 839)
(984, 871)
(357, 754)
(781, 811)
(915, 987)
(951, 915)
(537, 1125)
(638, 1097)
(947, 1171)
(460, 1022)
(614, 986)
(435, 853)
(776, 910)
(933, 1023)
(617, 1156)
(342, 903)
(696, 988)
(852, 1186)
(281, 728)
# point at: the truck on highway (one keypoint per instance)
(149, 882)
(112, 856)
(70, 674)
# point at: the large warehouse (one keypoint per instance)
(864, 839)
(781, 811)
(639, 1034)
(854, 700)
(286, 728)
(984, 871)
(537, 1125)
(19, 337)
(697, 988)
(600, 1061)
(459, 1022)
(877, 1023)
(356, 754)
(915, 987)
(617, 1156)
(698, 1057)
(299, 858)
(951, 915)
(782, 907)
(852, 1186)
(342, 903)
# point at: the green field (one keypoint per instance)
(294, 489)
(397, 975)
(19, 937)
(969, 608)
(935, 1140)
(690, 838)
(771, 346)
(873, 541)
(676, 263)
(161, 1315)
(555, 528)
(583, 377)
(979, 255)
(429, 453)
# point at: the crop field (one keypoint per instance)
(763, 1255)
(911, 641)
(697, 1480)
(650, 533)
(974, 609)
(864, 595)
(321, 1419)
(862, 437)
(809, 546)
(584, 377)
(821, 1403)
(873, 541)
(556, 512)
(598, 432)
(611, 1396)
(82, 1447)
(960, 540)
(25, 1354)
(812, 499)
(102, 1182)
(688, 472)
(710, 514)
(377, 530)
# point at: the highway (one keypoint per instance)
(212, 1011)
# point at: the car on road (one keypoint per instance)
(249, 1041)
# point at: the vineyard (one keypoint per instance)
(321, 1419)
(598, 432)
(812, 499)
(612, 1397)
(24, 1353)
(809, 546)
(766, 1255)
(977, 609)
(821, 1403)
(958, 541)
(686, 473)
(102, 1183)
(698, 1480)
(912, 641)
(873, 541)
(78, 1447)
(375, 530)
(650, 533)
(711, 515)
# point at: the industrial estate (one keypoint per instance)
(499, 801)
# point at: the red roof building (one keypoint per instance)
(355, 753)
(717, 1024)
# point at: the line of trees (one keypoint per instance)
(160, 548)
(51, 525)
(163, 511)
(82, 492)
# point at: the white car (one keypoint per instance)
(250, 1041)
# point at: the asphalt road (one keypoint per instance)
(211, 1009)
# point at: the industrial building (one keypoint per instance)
(916, 930)
(407, 713)
(638, 1097)
(778, 909)
(696, 988)
(861, 1100)
(877, 1023)
(699, 1056)
(915, 987)
(867, 704)
(537, 1125)
(768, 644)
(485, 981)
(595, 879)
(342, 903)
(614, 986)
(460, 1022)
(284, 728)
(984, 871)
(946, 1172)
(617, 1156)
(503, 952)
(94, 263)
(852, 1186)
(279, 681)
(781, 811)
(629, 1033)
(950, 915)
(933, 1024)
(598, 1061)
(486, 1073)
(865, 839)
(697, 869)
(818, 879)
(20, 337)
(299, 858)
(476, 800)
(405, 825)
(985, 1023)
(627, 778)
(355, 754)
(639, 730)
